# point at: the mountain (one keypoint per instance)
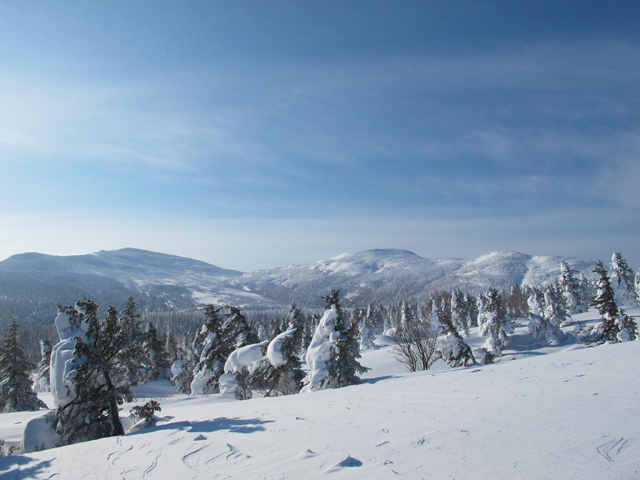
(387, 276)
(33, 284)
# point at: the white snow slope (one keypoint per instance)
(566, 412)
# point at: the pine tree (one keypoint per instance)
(460, 312)
(455, 351)
(213, 354)
(472, 309)
(159, 366)
(132, 358)
(183, 366)
(367, 338)
(569, 287)
(90, 410)
(616, 325)
(622, 281)
(16, 387)
(343, 365)
(236, 332)
(43, 380)
(541, 326)
(295, 321)
(494, 323)
(283, 376)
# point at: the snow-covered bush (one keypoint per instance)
(494, 323)
(240, 368)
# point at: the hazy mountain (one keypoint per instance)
(32, 284)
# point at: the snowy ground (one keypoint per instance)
(555, 412)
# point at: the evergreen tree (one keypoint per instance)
(569, 287)
(542, 327)
(622, 281)
(16, 387)
(236, 332)
(494, 323)
(184, 364)
(90, 411)
(43, 380)
(472, 309)
(295, 321)
(159, 366)
(455, 351)
(367, 338)
(132, 358)
(616, 325)
(213, 354)
(460, 312)
(283, 376)
(343, 365)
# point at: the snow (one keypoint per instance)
(319, 351)
(566, 411)
(274, 350)
(62, 365)
(244, 356)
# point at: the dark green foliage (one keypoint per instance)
(236, 332)
(132, 357)
(146, 412)
(343, 365)
(159, 366)
(212, 352)
(92, 411)
(16, 387)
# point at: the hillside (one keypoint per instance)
(32, 284)
(567, 411)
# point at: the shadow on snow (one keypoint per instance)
(236, 425)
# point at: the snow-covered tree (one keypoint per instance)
(212, 356)
(622, 282)
(541, 326)
(569, 286)
(367, 338)
(43, 381)
(83, 379)
(472, 309)
(284, 375)
(615, 325)
(554, 306)
(236, 332)
(460, 312)
(184, 364)
(494, 323)
(454, 350)
(333, 354)
(16, 387)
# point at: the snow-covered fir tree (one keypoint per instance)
(454, 349)
(236, 332)
(570, 289)
(472, 310)
(622, 281)
(343, 365)
(84, 388)
(213, 354)
(367, 337)
(460, 312)
(184, 364)
(494, 323)
(333, 354)
(159, 366)
(615, 325)
(296, 321)
(555, 306)
(42, 379)
(16, 387)
(283, 375)
(541, 327)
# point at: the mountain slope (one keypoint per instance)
(32, 284)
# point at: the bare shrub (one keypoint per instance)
(416, 346)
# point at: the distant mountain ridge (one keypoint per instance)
(33, 284)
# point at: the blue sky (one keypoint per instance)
(259, 134)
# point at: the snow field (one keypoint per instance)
(565, 411)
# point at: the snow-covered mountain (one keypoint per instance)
(386, 276)
(32, 284)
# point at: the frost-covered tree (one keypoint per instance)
(494, 323)
(16, 387)
(236, 332)
(542, 327)
(212, 356)
(569, 286)
(472, 309)
(43, 380)
(296, 321)
(367, 338)
(622, 281)
(454, 350)
(333, 354)
(615, 325)
(554, 306)
(184, 364)
(284, 374)
(460, 312)
(84, 388)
